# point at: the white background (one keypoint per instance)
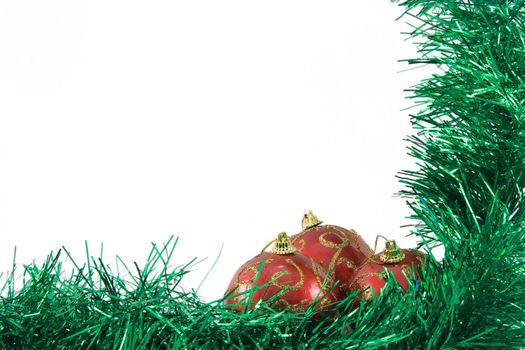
(220, 122)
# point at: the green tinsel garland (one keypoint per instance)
(467, 195)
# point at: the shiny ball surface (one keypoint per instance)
(330, 244)
(370, 278)
(302, 277)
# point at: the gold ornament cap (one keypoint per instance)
(310, 220)
(392, 253)
(283, 245)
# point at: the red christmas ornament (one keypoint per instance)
(370, 277)
(302, 277)
(333, 247)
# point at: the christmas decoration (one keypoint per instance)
(336, 249)
(466, 196)
(293, 281)
(402, 263)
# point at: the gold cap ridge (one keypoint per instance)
(310, 220)
(283, 245)
(392, 254)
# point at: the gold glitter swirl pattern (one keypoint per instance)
(324, 302)
(419, 258)
(338, 246)
(318, 271)
(294, 287)
(353, 234)
(245, 283)
(406, 269)
(359, 281)
(325, 242)
(252, 267)
(367, 294)
(320, 275)
(282, 304)
(347, 262)
(366, 288)
(350, 264)
(302, 244)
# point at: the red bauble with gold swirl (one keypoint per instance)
(371, 276)
(282, 268)
(333, 247)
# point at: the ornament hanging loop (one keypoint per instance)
(266, 246)
(377, 238)
(392, 254)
